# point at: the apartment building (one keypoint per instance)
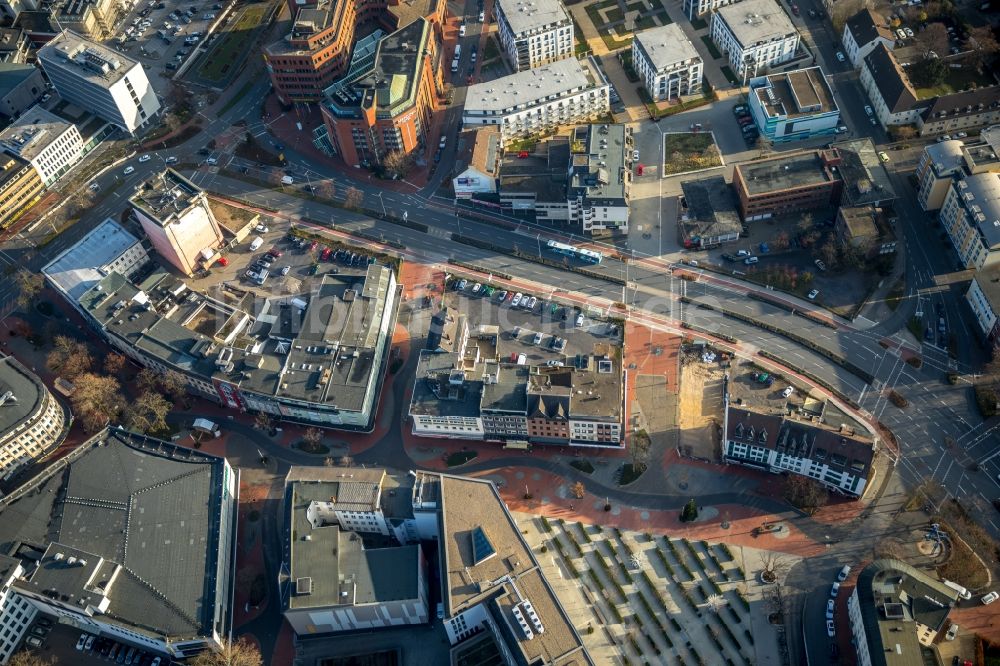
(178, 221)
(534, 32)
(896, 612)
(169, 588)
(754, 35)
(384, 104)
(983, 298)
(49, 143)
(837, 458)
(20, 188)
(862, 33)
(538, 101)
(478, 166)
(938, 163)
(696, 8)
(970, 215)
(107, 83)
(21, 85)
(667, 62)
(788, 183)
(961, 111)
(793, 106)
(16, 612)
(32, 422)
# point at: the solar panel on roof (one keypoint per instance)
(482, 549)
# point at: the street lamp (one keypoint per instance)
(382, 201)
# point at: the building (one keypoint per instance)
(16, 612)
(32, 422)
(14, 44)
(971, 217)
(896, 613)
(105, 82)
(21, 86)
(539, 101)
(11, 9)
(938, 163)
(695, 8)
(960, 111)
(97, 19)
(130, 538)
(983, 298)
(862, 33)
(20, 188)
(793, 105)
(581, 181)
(534, 32)
(864, 228)
(754, 35)
(50, 144)
(384, 104)
(108, 248)
(866, 181)
(837, 458)
(355, 588)
(667, 62)
(478, 167)
(317, 50)
(708, 215)
(787, 183)
(178, 221)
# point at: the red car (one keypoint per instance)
(744, 120)
(275, 252)
(325, 256)
(639, 169)
(222, 261)
(313, 246)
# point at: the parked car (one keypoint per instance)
(830, 603)
(739, 109)
(834, 589)
(820, 265)
(884, 156)
(868, 110)
(990, 598)
(531, 303)
(952, 632)
(831, 630)
(787, 392)
(517, 299)
(83, 639)
(813, 294)
(751, 260)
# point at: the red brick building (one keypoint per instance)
(788, 183)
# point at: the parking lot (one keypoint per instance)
(60, 645)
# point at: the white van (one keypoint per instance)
(287, 180)
(255, 245)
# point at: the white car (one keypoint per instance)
(145, 158)
(461, 30)
(990, 598)
(834, 589)
(831, 630)
(532, 302)
(261, 228)
(829, 608)
(212, 161)
(476, 287)
(81, 641)
(94, 187)
(868, 110)
(129, 170)
(517, 299)
(554, 364)
(840, 57)
(952, 632)
(171, 160)
(961, 135)
(844, 573)
(787, 392)
(635, 155)
(813, 294)
(908, 32)
(285, 270)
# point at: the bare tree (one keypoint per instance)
(578, 490)
(397, 163)
(29, 658)
(805, 493)
(640, 449)
(933, 38)
(982, 45)
(345, 461)
(328, 462)
(69, 357)
(148, 413)
(239, 653)
(173, 385)
(264, 421)
(773, 565)
(843, 10)
(97, 400)
(114, 363)
(148, 379)
(354, 198)
(28, 284)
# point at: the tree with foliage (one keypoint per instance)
(29, 658)
(690, 511)
(928, 73)
(114, 363)
(173, 385)
(578, 490)
(69, 357)
(805, 493)
(982, 46)
(239, 653)
(29, 284)
(97, 400)
(354, 198)
(148, 413)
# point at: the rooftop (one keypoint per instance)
(14, 74)
(138, 512)
(865, 179)
(78, 268)
(33, 132)
(788, 171)
(988, 279)
(866, 26)
(598, 163)
(712, 209)
(482, 151)
(756, 21)
(523, 90)
(526, 17)
(443, 389)
(982, 155)
(11, 168)
(945, 157)
(964, 103)
(87, 59)
(165, 196)
(506, 390)
(667, 46)
(979, 194)
(543, 172)
(890, 79)
(21, 392)
(803, 92)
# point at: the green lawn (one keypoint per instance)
(615, 14)
(580, 45)
(689, 152)
(956, 81)
(710, 45)
(227, 53)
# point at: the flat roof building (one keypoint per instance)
(49, 143)
(787, 183)
(32, 422)
(866, 181)
(108, 83)
(131, 538)
(107, 248)
(534, 32)
(794, 105)
(667, 62)
(756, 34)
(20, 188)
(938, 163)
(971, 217)
(178, 221)
(710, 216)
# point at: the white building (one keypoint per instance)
(983, 298)
(534, 32)
(478, 167)
(667, 62)
(862, 33)
(32, 422)
(105, 82)
(538, 101)
(971, 217)
(49, 143)
(695, 8)
(893, 98)
(938, 163)
(754, 35)
(795, 105)
(16, 612)
(178, 221)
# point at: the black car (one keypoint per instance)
(313, 269)
(730, 257)
(437, 156)
(204, 151)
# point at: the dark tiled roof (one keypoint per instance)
(965, 103)
(867, 26)
(892, 83)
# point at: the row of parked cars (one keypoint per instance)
(116, 652)
(747, 126)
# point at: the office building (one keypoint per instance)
(478, 166)
(539, 101)
(787, 183)
(11, 9)
(866, 181)
(95, 19)
(708, 214)
(792, 106)
(16, 612)
(32, 422)
(385, 102)
(108, 248)
(896, 612)
(107, 83)
(21, 85)
(50, 144)
(357, 587)
(178, 221)
(862, 33)
(534, 32)
(970, 215)
(20, 188)
(667, 62)
(838, 458)
(755, 35)
(130, 538)
(865, 229)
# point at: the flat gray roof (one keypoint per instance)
(32, 133)
(26, 393)
(434, 395)
(803, 92)
(666, 46)
(981, 197)
(529, 16)
(523, 90)
(785, 172)
(755, 21)
(598, 171)
(76, 269)
(165, 196)
(85, 58)
(946, 157)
